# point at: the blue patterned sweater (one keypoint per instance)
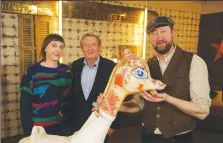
(44, 90)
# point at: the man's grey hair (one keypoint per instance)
(90, 34)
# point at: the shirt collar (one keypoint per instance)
(168, 58)
(95, 63)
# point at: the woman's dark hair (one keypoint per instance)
(47, 40)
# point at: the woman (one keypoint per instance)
(45, 89)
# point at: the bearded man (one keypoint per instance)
(170, 116)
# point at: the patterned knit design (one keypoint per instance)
(43, 91)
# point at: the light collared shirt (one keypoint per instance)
(199, 84)
(88, 76)
(164, 63)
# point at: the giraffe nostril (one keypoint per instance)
(140, 87)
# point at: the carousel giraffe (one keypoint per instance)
(130, 76)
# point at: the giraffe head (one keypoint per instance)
(133, 76)
(130, 76)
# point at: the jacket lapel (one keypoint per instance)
(154, 67)
(79, 70)
(173, 62)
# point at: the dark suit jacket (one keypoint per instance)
(81, 105)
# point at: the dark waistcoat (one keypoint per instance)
(169, 119)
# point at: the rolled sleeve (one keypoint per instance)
(199, 84)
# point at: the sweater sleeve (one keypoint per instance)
(26, 105)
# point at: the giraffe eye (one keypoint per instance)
(139, 73)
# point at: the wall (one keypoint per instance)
(176, 5)
(10, 76)
(212, 7)
(186, 15)
(111, 34)
(55, 25)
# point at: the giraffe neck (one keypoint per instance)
(113, 99)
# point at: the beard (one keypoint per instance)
(163, 50)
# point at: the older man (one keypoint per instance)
(90, 76)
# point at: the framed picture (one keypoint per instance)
(126, 49)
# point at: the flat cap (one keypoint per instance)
(159, 21)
